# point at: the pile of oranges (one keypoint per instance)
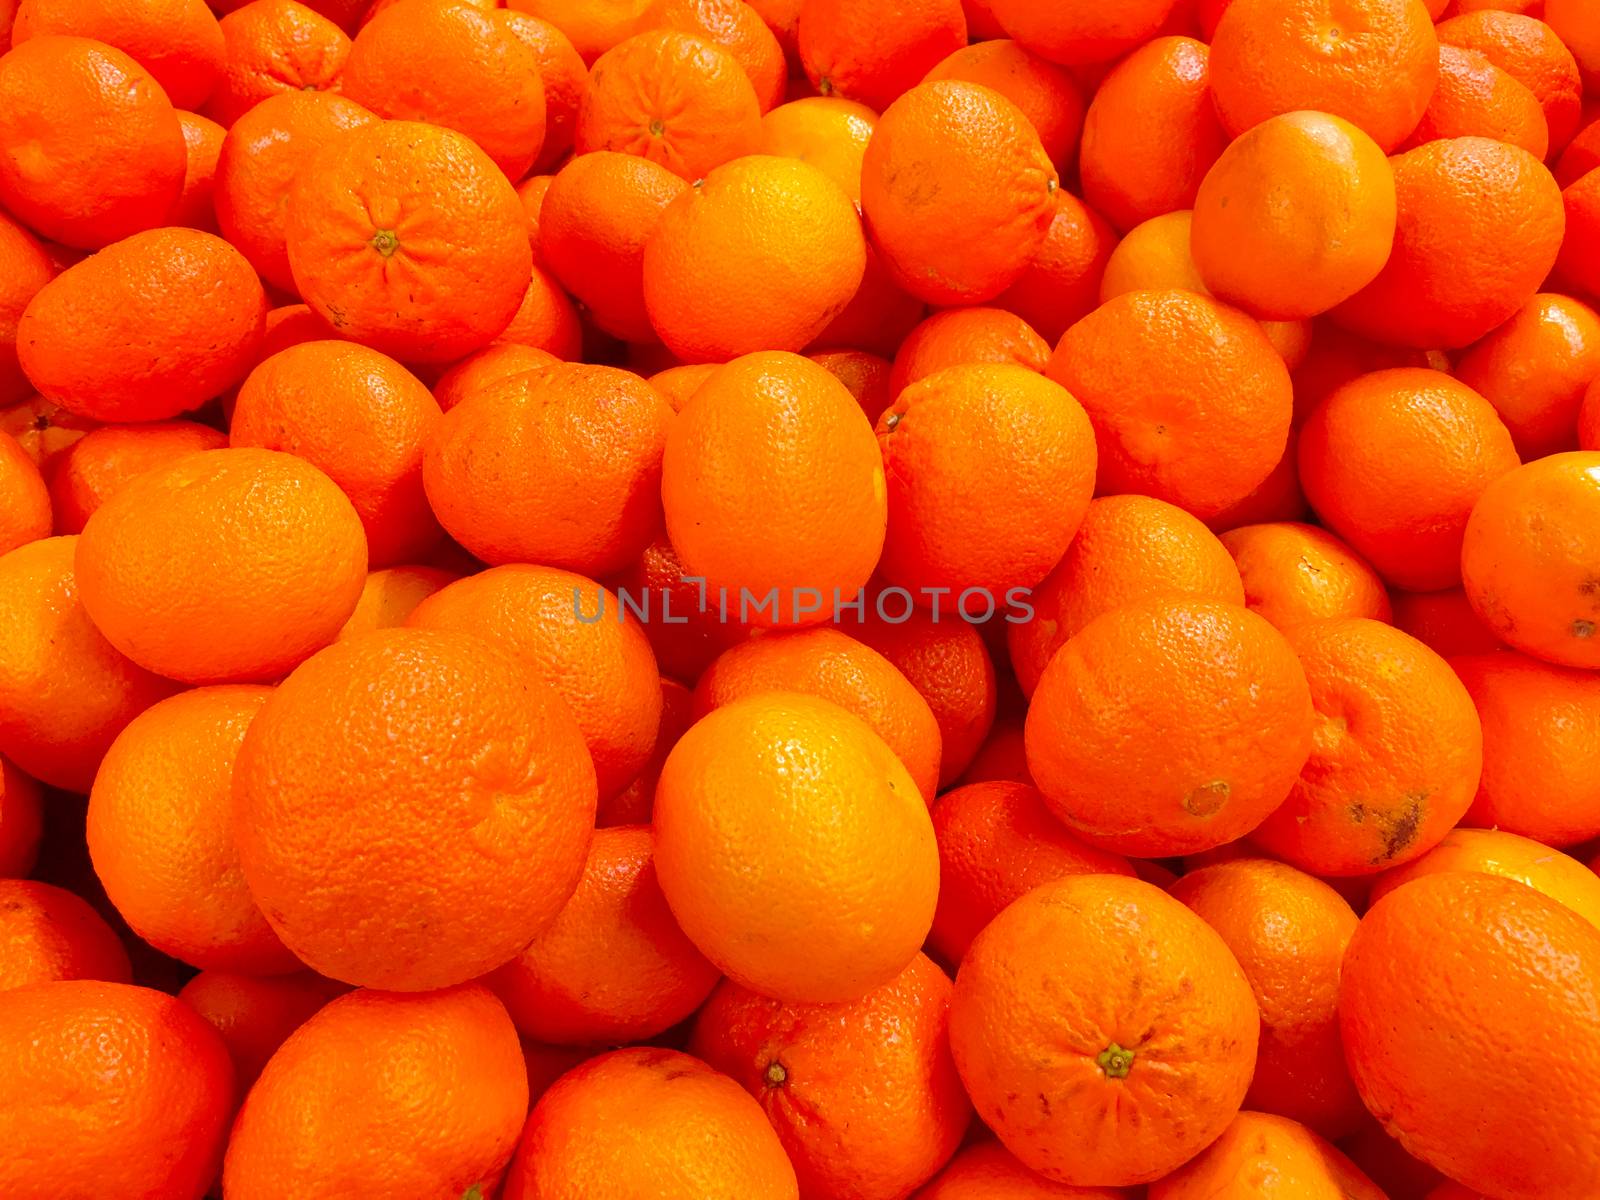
(800, 600)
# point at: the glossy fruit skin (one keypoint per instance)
(86, 478)
(829, 133)
(1261, 1156)
(737, 28)
(1496, 852)
(1527, 559)
(954, 337)
(1528, 50)
(1294, 573)
(109, 1092)
(26, 515)
(440, 1074)
(1432, 1058)
(178, 42)
(1136, 1082)
(1061, 283)
(1080, 32)
(1476, 98)
(863, 53)
(1045, 91)
(275, 46)
(27, 268)
(455, 896)
(802, 1063)
(50, 934)
(255, 1014)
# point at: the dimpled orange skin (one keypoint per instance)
(998, 840)
(86, 478)
(945, 441)
(1528, 50)
(774, 434)
(1373, 62)
(1061, 283)
(91, 150)
(25, 267)
(1475, 98)
(121, 336)
(227, 566)
(1169, 727)
(260, 157)
(866, 375)
(1531, 558)
(613, 966)
(1541, 747)
(685, 629)
(177, 41)
(48, 933)
(65, 691)
(1467, 1006)
(804, 1064)
(106, 1081)
(1297, 215)
(1480, 224)
(43, 429)
(1574, 23)
(574, 634)
(874, 54)
(738, 29)
(275, 46)
(1190, 402)
(1288, 932)
(988, 1171)
(1496, 852)
(761, 254)
(593, 26)
(21, 822)
(25, 507)
(482, 369)
(878, 316)
(391, 595)
(160, 832)
(1045, 92)
(739, 819)
(1127, 549)
(487, 803)
(1294, 573)
(953, 337)
(1265, 1157)
(829, 133)
(1394, 461)
(830, 664)
(440, 1075)
(674, 98)
(407, 238)
(957, 192)
(648, 1121)
(562, 72)
(1103, 1031)
(1577, 266)
(256, 1013)
(633, 804)
(1079, 32)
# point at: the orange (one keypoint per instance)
(878, 316)
(1128, 549)
(48, 933)
(472, 767)
(811, 885)
(91, 150)
(1261, 1156)
(685, 621)
(1476, 98)
(289, 325)
(1190, 402)
(256, 1014)
(1393, 463)
(998, 840)
(1581, 156)
(575, 636)
(1496, 852)
(25, 267)
(1169, 726)
(1278, 497)
(407, 238)
(440, 1075)
(1373, 62)
(1294, 573)
(1081, 31)
(65, 691)
(805, 1064)
(21, 822)
(482, 369)
(1518, 970)
(546, 319)
(177, 41)
(1443, 621)
(391, 595)
(1574, 23)
(1150, 133)
(260, 157)
(91, 471)
(958, 336)
(1337, 357)
(25, 502)
(647, 1121)
(593, 26)
(562, 72)
(1540, 759)
(575, 474)
(759, 255)
(829, 133)
(161, 832)
(674, 98)
(956, 190)
(125, 336)
(738, 29)
(1589, 418)
(613, 966)
(1123, 1088)
(1528, 558)
(1479, 228)
(1289, 932)
(275, 46)
(988, 1171)
(875, 53)
(1297, 215)
(948, 663)
(225, 566)
(1045, 92)
(634, 803)
(1002, 756)
(1061, 283)
(1529, 51)
(202, 141)
(109, 1082)
(1535, 369)
(835, 667)
(774, 490)
(598, 214)
(1577, 266)
(678, 384)
(865, 375)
